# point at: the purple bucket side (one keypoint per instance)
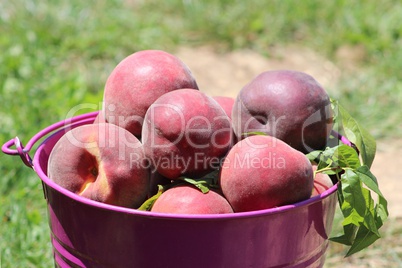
(91, 236)
(86, 233)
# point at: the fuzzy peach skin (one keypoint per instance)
(186, 133)
(99, 118)
(187, 199)
(262, 172)
(289, 105)
(137, 81)
(102, 162)
(322, 182)
(226, 103)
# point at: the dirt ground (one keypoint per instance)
(225, 74)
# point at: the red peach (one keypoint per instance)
(102, 162)
(137, 81)
(185, 199)
(226, 103)
(289, 105)
(262, 172)
(100, 118)
(186, 133)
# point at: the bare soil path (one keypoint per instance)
(225, 74)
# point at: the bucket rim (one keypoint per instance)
(85, 118)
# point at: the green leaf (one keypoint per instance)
(200, 184)
(357, 135)
(349, 232)
(353, 204)
(253, 133)
(210, 180)
(362, 215)
(147, 205)
(314, 156)
(204, 183)
(347, 157)
(370, 181)
(326, 161)
(363, 239)
(367, 232)
(333, 159)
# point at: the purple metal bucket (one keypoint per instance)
(85, 233)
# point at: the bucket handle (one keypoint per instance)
(23, 151)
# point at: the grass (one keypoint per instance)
(58, 54)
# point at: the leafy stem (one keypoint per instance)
(350, 163)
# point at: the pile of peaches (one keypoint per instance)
(158, 136)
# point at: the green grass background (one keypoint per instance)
(57, 54)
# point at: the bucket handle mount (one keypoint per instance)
(20, 150)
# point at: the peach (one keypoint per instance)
(100, 118)
(102, 162)
(186, 199)
(137, 81)
(322, 182)
(226, 103)
(186, 133)
(262, 172)
(289, 105)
